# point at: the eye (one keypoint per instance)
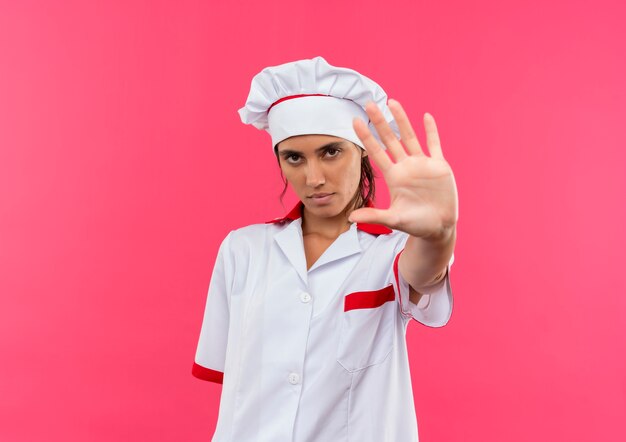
(332, 152)
(292, 158)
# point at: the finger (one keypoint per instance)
(432, 136)
(371, 145)
(371, 216)
(385, 132)
(407, 134)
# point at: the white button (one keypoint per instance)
(294, 378)
(305, 297)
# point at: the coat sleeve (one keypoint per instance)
(434, 307)
(211, 351)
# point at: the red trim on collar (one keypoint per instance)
(296, 212)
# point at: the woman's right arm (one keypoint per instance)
(211, 351)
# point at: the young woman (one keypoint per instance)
(306, 315)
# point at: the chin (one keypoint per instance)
(326, 211)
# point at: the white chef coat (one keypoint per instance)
(318, 354)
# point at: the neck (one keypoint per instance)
(327, 227)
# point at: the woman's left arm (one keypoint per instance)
(423, 195)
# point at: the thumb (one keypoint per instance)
(368, 215)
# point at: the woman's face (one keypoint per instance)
(323, 170)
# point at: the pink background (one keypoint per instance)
(123, 164)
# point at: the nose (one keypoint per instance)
(314, 175)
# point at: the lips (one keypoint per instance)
(321, 198)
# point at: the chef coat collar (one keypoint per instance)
(296, 212)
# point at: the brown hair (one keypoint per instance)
(367, 184)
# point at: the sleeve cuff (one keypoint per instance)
(434, 308)
(206, 374)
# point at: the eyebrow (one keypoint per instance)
(331, 145)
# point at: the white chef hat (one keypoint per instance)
(312, 97)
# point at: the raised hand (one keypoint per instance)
(423, 194)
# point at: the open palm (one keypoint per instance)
(423, 194)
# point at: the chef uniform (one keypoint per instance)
(317, 354)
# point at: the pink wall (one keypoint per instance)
(123, 164)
